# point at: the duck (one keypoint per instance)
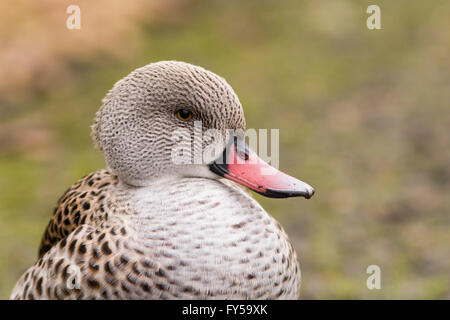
(157, 225)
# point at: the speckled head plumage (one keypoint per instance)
(133, 126)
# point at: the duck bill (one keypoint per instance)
(240, 164)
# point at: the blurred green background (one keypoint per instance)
(363, 115)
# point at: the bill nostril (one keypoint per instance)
(244, 156)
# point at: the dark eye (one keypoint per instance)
(184, 115)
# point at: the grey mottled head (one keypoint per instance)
(134, 125)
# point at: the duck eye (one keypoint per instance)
(184, 115)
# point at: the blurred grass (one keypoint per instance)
(363, 116)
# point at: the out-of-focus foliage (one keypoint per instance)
(363, 115)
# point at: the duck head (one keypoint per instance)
(148, 123)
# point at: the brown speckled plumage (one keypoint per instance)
(134, 233)
(84, 202)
